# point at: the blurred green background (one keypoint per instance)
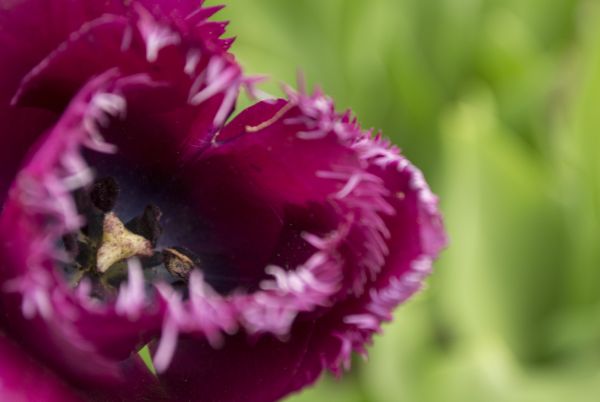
(498, 101)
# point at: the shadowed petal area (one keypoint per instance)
(258, 190)
(240, 371)
(24, 379)
(261, 191)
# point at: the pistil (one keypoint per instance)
(118, 244)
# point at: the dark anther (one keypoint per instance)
(147, 224)
(104, 193)
(180, 261)
(71, 244)
(86, 256)
(93, 216)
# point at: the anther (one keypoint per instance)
(104, 194)
(180, 262)
(147, 224)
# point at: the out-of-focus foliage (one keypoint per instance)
(499, 102)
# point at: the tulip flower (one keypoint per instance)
(248, 255)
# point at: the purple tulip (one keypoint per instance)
(249, 256)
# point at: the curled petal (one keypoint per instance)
(371, 231)
(39, 307)
(46, 71)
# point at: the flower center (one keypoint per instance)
(100, 249)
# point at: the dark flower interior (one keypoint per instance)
(200, 212)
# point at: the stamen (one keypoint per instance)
(147, 224)
(118, 244)
(104, 194)
(71, 244)
(180, 262)
(97, 254)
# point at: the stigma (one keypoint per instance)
(119, 244)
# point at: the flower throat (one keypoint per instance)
(100, 249)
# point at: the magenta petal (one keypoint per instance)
(18, 128)
(82, 39)
(28, 123)
(368, 229)
(202, 80)
(24, 379)
(265, 198)
(29, 31)
(57, 324)
(240, 371)
(416, 236)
